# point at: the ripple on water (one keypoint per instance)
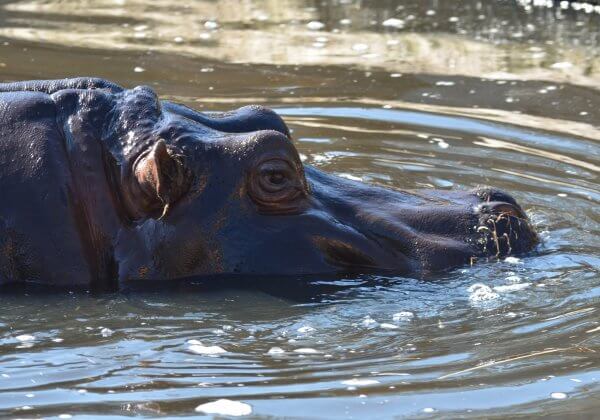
(520, 335)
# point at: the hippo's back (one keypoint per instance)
(36, 222)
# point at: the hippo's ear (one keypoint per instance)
(162, 177)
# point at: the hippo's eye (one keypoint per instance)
(275, 175)
(276, 178)
(276, 185)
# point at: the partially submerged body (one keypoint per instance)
(101, 185)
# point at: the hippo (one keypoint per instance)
(102, 185)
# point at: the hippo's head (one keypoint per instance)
(227, 193)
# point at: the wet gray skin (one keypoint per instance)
(135, 189)
(447, 97)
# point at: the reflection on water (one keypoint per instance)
(407, 94)
(504, 40)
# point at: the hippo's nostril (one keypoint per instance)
(489, 194)
(505, 228)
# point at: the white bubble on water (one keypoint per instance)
(428, 410)
(106, 332)
(25, 337)
(443, 144)
(513, 260)
(139, 69)
(480, 293)
(359, 47)
(360, 382)
(393, 23)
(511, 287)
(225, 407)
(561, 65)
(305, 329)
(388, 326)
(306, 350)
(558, 395)
(350, 176)
(403, 316)
(211, 24)
(315, 25)
(276, 350)
(206, 350)
(368, 321)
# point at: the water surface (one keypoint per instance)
(425, 94)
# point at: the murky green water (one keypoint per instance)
(411, 94)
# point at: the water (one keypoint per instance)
(444, 95)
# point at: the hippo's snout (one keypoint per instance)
(504, 226)
(417, 231)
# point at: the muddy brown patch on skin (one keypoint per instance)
(143, 272)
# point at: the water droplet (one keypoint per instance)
(315, 25)
(393, 23)
(306, 350)
(211, 24)
(106, 332)
(403, 316)
(225, 407)
(360, 382)
(206, 350)
(25, 337)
